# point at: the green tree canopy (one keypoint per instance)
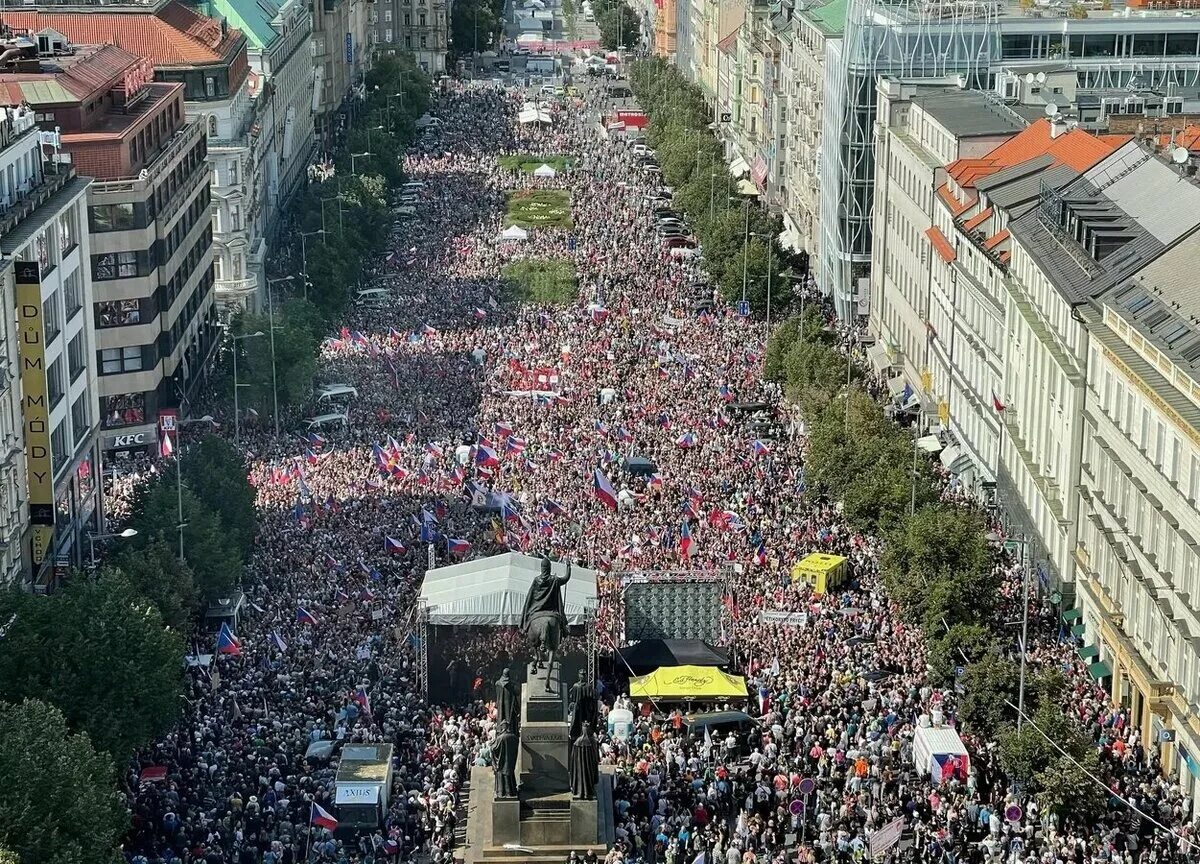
(216, 472)
(99, 652)
(216, 564)
(155, 572)
(58, 800)
(289, 373)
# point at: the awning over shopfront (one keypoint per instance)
(896, 386)
(878, 356)
(1087, 652)
(954, 459)
(747, 188)
(739, 167)
(1099, 670)
(929, 443)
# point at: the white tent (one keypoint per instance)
(514, 232)
(491, 591)
(533, 115)
(545, 170)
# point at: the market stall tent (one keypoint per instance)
(514, 232)
(823, 572)
(685, 683)
(545, 171)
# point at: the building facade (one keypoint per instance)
(149, 228)
(209, 59)
(44, 240)
(419, 26)
(278, 47)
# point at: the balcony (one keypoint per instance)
(234, 294)
(181, 141)
(54, 178)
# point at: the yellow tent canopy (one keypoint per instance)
(688, 682)
(821, 571)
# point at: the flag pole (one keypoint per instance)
(308, 843)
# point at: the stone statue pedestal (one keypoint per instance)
(545, 739)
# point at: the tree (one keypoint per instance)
(58, 801)
(1042, 770)
(215, 563)
(473, 24)
(155, 572)
(939, 568)
(618, 23)
(282, 367)
(100, 653)
(216, 472)
(989, 684)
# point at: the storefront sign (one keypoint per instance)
(129, 440)
(167, 433)
(35, 407)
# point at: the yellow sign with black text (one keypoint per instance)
(35, 406)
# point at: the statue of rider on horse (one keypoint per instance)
(544, 618)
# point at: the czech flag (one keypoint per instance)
(434, 450)
(360, 698)
(277, 641)
(685, 541)
(656, 481)
(457, 546)
(554, 508)
(760, 556)
(996, 403)
(686, 440)
(227, 643)
(503, 430)
(514, 445)
(604, 490)
(480, 314)
(760, 448)
(509, 514)
(485, 457)
(426, 330)
(393, 546)
(321, 818)
(725, 393)
(303, 616)
(599, 314)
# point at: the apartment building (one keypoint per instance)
(209, 59)
(666, 28)
(1138, 577)
(278, 47)
(149, 227)
(44, 241)
(419, 26)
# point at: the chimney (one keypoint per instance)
(1058, 125)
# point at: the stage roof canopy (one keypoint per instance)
(491, 591)
(653, 653)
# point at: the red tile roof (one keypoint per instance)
(995, 240)
(950, 201)
(172, 36)
(940, 244)
(1188, 137)
(1076, 148)
(977, 220)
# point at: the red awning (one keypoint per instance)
(940, 244)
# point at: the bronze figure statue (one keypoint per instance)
(584, 765)
(505, 749)
(544, 618)
(581, 705)
(508, 701)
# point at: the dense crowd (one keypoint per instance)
(449, 372)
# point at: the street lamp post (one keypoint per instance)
(122, 535)
(271, 327)
(237, 414)
(207, 418)
(770, 250)
(371, 129)
(304, 256)
(745, 247)
(1023, 543)
(354, 156)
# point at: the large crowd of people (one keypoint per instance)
(463, 391)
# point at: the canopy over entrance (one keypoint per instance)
(491, 591)
(688, 682)
(545, 171)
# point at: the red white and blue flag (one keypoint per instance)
(760, 555)
(227, 643)
(393, 546)
(485, 457)
(361, 699)
(760, 448)
(685, 541)
(303, 616)
(457, 546)
(686, 440)
(321, 818)
(604, 490)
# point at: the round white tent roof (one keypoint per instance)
(491, 591)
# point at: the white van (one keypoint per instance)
(413, 186)
(323, 421)
(335, 391)
(376, 294)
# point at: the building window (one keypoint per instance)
(233, 169)
(73, 293)
(113, 361)
(54, 382)
(111, 217)
(119, 313)
(115, 265)
(75, 364)
(407, 19)
(59, 453)
(210, 86)
(52, 320)
(68, 232)
(422, 19)
(81, 420)
(423, 40)
(387, 16)
(235, 217)
(387, 34)
(127, 409)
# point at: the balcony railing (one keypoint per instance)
(54, 178)
(182, 140)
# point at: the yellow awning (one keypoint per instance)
(688, 682)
